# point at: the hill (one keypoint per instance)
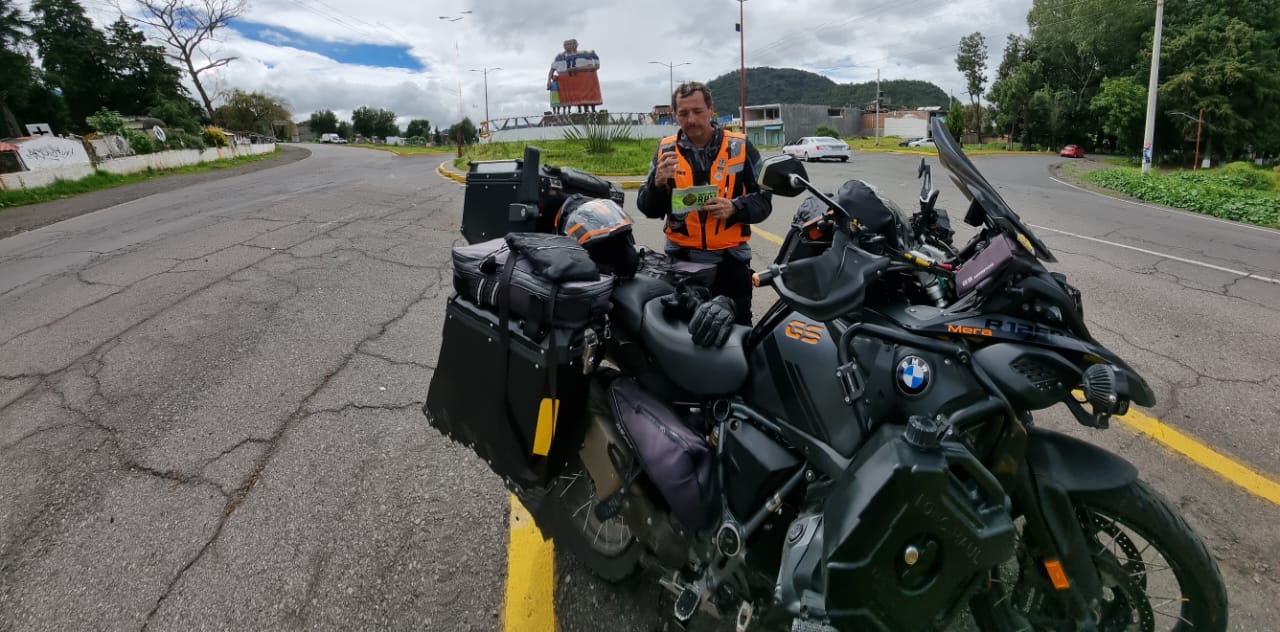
(790, 85)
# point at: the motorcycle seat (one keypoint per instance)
(630, 297)
(699, 370)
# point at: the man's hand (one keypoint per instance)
(666, 169)
(719, 208)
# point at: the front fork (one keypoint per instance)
(1060, 551)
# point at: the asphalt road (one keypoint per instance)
(209, 398)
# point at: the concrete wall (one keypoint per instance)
(130, 164)
(803, 120)
(557, 133)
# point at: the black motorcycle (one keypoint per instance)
(863, 458)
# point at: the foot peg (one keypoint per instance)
(687, 603)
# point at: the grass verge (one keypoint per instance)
(628, 158)
(408, 150)
(105, 180)
(1234, 193)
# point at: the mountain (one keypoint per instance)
(790, 85)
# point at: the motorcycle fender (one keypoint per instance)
(1075, 465)
(599, 435)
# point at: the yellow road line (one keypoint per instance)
(1203, 455)
(768, 236)
(531, 576)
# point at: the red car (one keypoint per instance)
(1071, 151)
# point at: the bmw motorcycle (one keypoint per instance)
(865, 457)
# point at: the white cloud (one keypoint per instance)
(846, 40)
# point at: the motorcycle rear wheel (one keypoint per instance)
(1155, 571)
(607, 547)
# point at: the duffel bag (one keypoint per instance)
(545, 280)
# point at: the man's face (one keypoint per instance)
(694, 117)
(571, 47)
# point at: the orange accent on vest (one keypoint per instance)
(703, 231)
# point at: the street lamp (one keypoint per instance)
(671, 85)
(1195, 165)
(458, 58)
(486, 70)
(742, 73)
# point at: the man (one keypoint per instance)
(703, 182)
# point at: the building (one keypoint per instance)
(776, 124)
(904, 123)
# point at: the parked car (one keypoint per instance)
(1071, 151)
(817, 148)
(906, 142)
(922, 142)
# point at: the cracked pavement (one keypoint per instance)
(210, 411)
(210, 399)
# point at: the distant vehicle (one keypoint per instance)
(332, 138)
(906, 142)
(817, 148)
(921, 142)
(1071, 151)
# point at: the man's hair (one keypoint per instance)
(690, 87)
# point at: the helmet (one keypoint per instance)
(590, 220)
(874, 211)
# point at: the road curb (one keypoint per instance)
(445, 170)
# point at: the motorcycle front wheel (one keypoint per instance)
(1155, 571)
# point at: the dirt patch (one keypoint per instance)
(33, 216)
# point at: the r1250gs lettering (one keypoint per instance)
(864, 458)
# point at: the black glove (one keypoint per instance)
(681, 304)
(713, 322)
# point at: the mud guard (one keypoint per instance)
(1075, 465)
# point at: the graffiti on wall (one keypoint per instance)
(47, 152)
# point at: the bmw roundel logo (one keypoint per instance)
(913, 375)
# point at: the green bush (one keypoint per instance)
(106, 121)
(826, 130)
(1213, 194)
(139, 141)
(180, 139)
(215, 137)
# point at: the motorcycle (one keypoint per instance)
(864, 457)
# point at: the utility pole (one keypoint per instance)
(877, 107)
(671, 83)
(1148, 138)
(485, 71)
(457, 53)
(742, 70)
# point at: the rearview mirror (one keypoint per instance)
(776, 173)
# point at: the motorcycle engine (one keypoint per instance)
(900, 540)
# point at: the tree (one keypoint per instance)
(366, 121)
(1122, 108)
(1018, 77)
(466, 131)
(323, 122)
(972, 62)
(181, 113)
(253, 111)
(418, 127)
(72, 54)
(140, 75)
(344, 129)
(20, 75)
(955, 119)
(184, 26)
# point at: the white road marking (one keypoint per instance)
(1171, 211)
(1247, 275)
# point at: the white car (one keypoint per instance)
(817, 148)
(922, 142)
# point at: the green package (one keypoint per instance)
(684, 201)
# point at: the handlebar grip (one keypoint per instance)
(766, 276)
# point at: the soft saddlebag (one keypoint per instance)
(519, 403)
(550, 282)
(677, 459)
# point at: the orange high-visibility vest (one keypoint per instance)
(699, 230)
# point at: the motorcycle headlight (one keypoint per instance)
(1105, 391)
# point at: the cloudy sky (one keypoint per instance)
(341, 54)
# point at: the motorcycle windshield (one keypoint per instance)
(979, 191)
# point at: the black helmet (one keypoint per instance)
(874, 211)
